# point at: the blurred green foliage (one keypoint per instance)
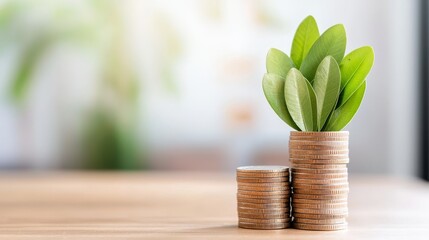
(110, 137)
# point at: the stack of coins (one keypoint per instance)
(319, 180)
(263, 197)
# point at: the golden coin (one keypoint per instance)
(318, 152)
(264, 185)
(319, 181)
(325, 133)
(319, 161)
(261, 193)
(311, 196)
(320, 205)
(326, 186)
(263, 215)
(263, 169)
(314, 227)
(299, 146)
(262, 180)
(319, 216)
(263, 200)
(264, 189)
(318, 166)
(267, 205)
(321, 139)
(263, 175)
(319, 175)
(321, 211)
(320, 221)
(267, 226)
(320, 191)
(310, 142)
(265, 221)
(298, 156)
(282, 196)
(319, 201)
(318, 171)
(263, 210)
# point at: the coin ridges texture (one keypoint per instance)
(319, 171)
(319, 216)
(320, 221)
(264, 189)
(319, 205)
(263, 168)
(264, 193)
(320, 191)
(265, 206)
(320, 166)
(264, 226)
(265, 221)
(263, 215)
(316, 227)
(262, 180)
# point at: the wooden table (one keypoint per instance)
(67, 205)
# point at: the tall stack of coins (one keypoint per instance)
(263, 197)
(319, 180)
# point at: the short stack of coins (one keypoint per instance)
(263, 197)
(319, 180)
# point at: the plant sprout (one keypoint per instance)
(317, 88)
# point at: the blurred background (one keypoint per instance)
(176, 85)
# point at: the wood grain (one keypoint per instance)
(107, 205)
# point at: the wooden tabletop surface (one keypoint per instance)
(68, 205)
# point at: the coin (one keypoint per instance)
(264, 189)
(262, 169)
(268, 194)
(324, 133)
(320, 211)
(318, 152)
(263, 174)
(263, 200)
(319, 161)
(318, 171)
(320, 191)
(263, 210)
(318, 201)
(320, 181)
(296, 145)
(262, 180)
(329, 227)
(263, 185)
(298, 156)
(318, 166)
(310, 142)
(267, 205)
(263, 215)
(326, 186)
(265, 221)
(320, 205)
(310, 196)
(319, 176)
(320, 221)
(267, 226)
(319, 216)
(319, 138)
(283, 196)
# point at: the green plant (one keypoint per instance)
(317, 88)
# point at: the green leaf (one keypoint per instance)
(313, 105)
(278, 62)
(354, 70)
(327, 88)
(331, 42)
(344, 114)
(273, 86)
(306, 34)
(298, 100)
